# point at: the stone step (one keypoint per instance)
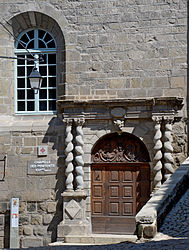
(96, 239)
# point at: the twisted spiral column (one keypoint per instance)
(79, 154)
(69, 155)
(168, 149)
(157, 152)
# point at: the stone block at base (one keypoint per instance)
(81, 229)
(97, 239)
(147, 230)
(31, 242)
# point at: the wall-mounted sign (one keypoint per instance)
(14, 212)
(14, 223)
(42, 167)
(42, 150)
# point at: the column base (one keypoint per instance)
(74, 217)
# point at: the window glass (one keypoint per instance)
(30, 45)
(21, 106)
(44, 83)
(42, 105)
(21, 83)
(30, 106)
(52, 93)
(35, 44)
(42, 94)
(42, 44)
(30, 94)
(52, 58)
(43, 70)
(20, 61)
(21, 94)
(51, 44)
(21, 71)
(52, 81)
(52, 105)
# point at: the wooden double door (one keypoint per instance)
(118, 192)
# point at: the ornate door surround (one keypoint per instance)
(120, 183)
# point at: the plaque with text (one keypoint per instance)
(42, 167)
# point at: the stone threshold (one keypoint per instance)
(95, 239)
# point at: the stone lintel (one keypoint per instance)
(74, 193)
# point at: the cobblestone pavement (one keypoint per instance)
(173, 234)
(176, 223)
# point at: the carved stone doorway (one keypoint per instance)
(120, 183)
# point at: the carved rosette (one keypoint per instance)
(168, 149)
(79, 154)
(69, 155)
(157, 152)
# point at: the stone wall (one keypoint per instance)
(127, 49)
(114, 49)
(106, 50)
(40, 209)
(179, 142)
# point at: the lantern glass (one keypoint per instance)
(35, 79)
(35, 83)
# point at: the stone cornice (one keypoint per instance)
(176, 101)
(134, 108)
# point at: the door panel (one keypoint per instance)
(98, 190)
(117, 193)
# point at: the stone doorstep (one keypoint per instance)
(96, 239)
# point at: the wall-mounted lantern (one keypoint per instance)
(35, 79)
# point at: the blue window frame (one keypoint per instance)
(35, 43)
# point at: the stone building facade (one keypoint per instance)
(121, 72)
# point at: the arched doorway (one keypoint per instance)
(120, 183)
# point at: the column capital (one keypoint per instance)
(79, 121)
(157, 118)
(68, 121)
(168, 118)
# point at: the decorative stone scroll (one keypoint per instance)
(120, 148)
(69, 154)
(79, 154)
(168, 149)
(157, 152)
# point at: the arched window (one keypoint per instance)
(36, 43)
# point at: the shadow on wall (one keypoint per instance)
(187, 91)
(54, 135)
(7, 230)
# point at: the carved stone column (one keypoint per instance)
(79, 154)
(69, 155)
(168, 149)
(75, 222)
(157, 152)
